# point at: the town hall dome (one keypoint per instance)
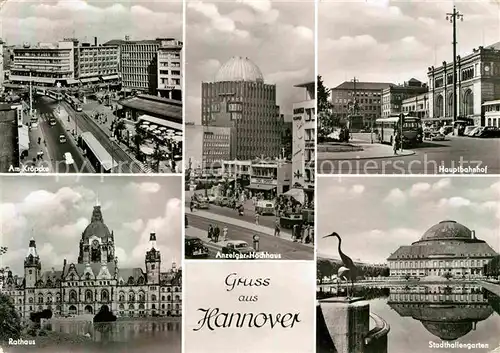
(447, 230)
(239, 69)
(96, 226)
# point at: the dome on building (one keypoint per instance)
(96, 226)
(447, 230)
(239, 69)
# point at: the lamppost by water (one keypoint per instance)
(453, 17)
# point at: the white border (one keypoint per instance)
(183, 172)
(316, 235)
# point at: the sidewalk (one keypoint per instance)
(239, 223)
(203, 235)
(35, 147)
(92, 107)
(368, 151)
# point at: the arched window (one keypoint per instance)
(131, 307)
(141, 306)
(131, 280)
(449, 105)
(141, 297)
(105, 295)
(122, 296)
(30, 300)
(162, 297)
(168, 297)
(468, 103)
(89, 296)
(49, 298)
(72, 296)
(178, 298)
(121, 307)
(439, 107)
(153, 297)
(40, 298)
(131, 297)
(140, 280)
(87, 276)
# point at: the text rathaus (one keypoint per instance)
(97, 280)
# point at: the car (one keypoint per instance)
(265, 207)
(194, 247)
(445, 130)
(473, 131)
(68, 158)
(34, 125)
(238, 247)
(477, 132)
(62, 139)
(201, 204)
(211, 198)
(468, 130)
(221, 201)
(52, 122)
(437, 137)
(490, 131)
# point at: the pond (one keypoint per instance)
(121, 336)
(421, 314)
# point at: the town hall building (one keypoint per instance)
(97, 280)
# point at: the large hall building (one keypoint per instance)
(446, 248)
(240, 101)
(97, 280)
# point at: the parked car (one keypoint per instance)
(68, 158)
(62, 139)
(222, 201)
(468, 130)
(445, 130)
(238, 247)
(52, 122)
(490, 131)
(194, 247)
(477, 132)
(201, 204)
(437, 137)
(211, 198)
(473, 131)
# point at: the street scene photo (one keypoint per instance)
(89, 264)
(91, 87)
(250, 130)
(408, 87)
(408, 266)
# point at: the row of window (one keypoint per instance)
(440, 263)
(172, 72)
(171, 81)
(170, 64)
(38, 54)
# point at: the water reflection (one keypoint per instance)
(419, 314)
(448, 312)
(119, 331)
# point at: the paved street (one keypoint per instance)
(84, 123)
(248, 216)
(56, 149)
(288, 250)
(474, 152)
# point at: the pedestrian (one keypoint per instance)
(191, 206)
(216, 234)
(210, 232)
(294, 233)
(395, 143)
(256, 218)
(224, 233)
(277, 228)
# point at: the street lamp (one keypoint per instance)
(452, 17)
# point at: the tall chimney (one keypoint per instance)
(95, 41)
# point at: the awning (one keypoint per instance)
(161, 122)
(89, 79)
(261, 187)
(297, 194)
(34, 79)
(24, 139)
(71, 81)
(110, 77)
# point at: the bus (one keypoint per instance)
(54, 95)
(75, 104)
(412, 129)
(40, 91)
(100, 159)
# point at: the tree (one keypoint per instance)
(10, 322)
(104, 315)
(326, 118)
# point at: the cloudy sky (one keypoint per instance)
(277, 36)
(36, 21)
(56, 212)
(374, 216)
(393, 41)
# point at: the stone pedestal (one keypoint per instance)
(348, 322)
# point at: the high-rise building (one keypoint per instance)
(240, 99)
(45, 64)
(304, 136)
(170, 69)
